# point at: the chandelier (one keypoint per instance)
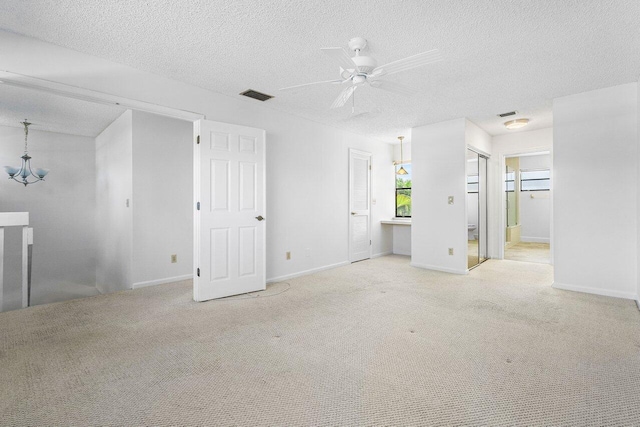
(402, 170)
(23, 174)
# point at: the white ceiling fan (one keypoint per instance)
(362, 70)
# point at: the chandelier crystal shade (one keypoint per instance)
(24, 174)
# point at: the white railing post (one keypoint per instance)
(18, 219)
(30, 260)
(1, 267)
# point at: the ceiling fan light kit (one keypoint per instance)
(362, 70)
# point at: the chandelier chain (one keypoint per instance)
(26, 134)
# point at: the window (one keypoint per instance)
(403, 191)
(535, 180)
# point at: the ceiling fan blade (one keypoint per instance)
(311, 84)
(343, 97)
(341, 57)
(392, 87)
(407, 63)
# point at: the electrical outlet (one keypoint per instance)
(174, 258)
(450, 199)
(450, 251)
(288, 255)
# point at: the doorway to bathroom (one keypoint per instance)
(476, 209)
(528, 207)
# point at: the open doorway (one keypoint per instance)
(528, 207)
(103, 219)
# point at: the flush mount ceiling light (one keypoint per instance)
(402, 170)
(24, 172)
(516, 124)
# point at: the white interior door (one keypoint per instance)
(229, 228)
(359, 205)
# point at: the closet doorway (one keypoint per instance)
(476, 209)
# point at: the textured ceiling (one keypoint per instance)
(499, 55)
(54, 113)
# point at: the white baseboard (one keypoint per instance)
(408, 253)
(162, 281)
(306, 272)
(534, 239)
(381, 254)
(443, 269)
(595, 291)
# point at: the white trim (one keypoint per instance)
(353, 151)
(442, 269)
(534, 239)
(595, 291)
(162, 281)
(382, 254)
(307, 272)
(24, 81)
(479, 151)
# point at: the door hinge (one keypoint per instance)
(369, 167)
(198, 272)
(369, 242)
(198, 205)
(198, 139)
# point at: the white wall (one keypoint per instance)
(406, 151)
(535, 206)
(595, 189)
(517, 142)
(439, 171)
(162, 200)
(307, 195)
(401, 239)
(307, 163)
(61, 211)
(477, 138)
(114, 219)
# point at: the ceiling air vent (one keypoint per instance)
(256, 95)
(510, 113)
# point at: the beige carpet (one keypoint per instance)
(529, 252)
(374, 343)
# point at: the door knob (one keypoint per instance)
(259, 217)
(354, 213)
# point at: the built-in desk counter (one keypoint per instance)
(396, 222)
(401, 235)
